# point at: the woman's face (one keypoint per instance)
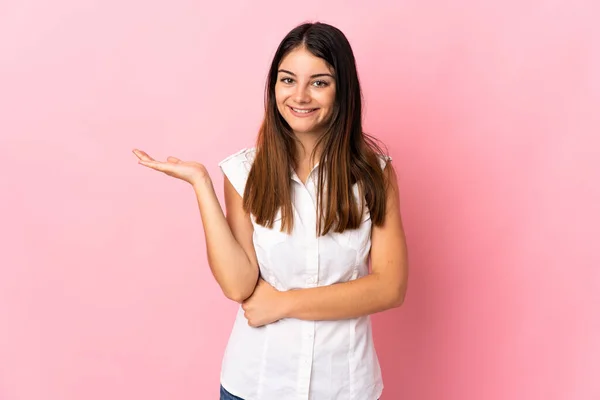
(305, 91)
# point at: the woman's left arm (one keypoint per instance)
(384, 288)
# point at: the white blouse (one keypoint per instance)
(294, 359)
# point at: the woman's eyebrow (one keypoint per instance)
(312, 76)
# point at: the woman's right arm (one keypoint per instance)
(229, 245)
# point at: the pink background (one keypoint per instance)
(489, 108)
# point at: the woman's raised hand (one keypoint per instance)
(189, 171)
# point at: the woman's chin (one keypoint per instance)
(305, 129)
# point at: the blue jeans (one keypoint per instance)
(225, 395)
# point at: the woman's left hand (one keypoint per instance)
(265, 306)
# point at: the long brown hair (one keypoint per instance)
(349, 156)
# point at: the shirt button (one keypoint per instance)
(311, 280)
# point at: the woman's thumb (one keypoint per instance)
(173, 160)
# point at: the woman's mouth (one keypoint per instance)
(303, 112)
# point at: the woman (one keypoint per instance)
(305, 209)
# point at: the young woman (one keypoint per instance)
(305, 210)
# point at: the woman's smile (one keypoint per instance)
(303, 112)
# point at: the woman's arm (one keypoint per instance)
(229, 246)
(384, 288)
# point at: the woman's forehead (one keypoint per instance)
(302, 62)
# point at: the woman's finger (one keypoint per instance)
(173, 160)
(157, 165)
(142, 155)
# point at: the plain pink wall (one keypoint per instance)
(490, 110)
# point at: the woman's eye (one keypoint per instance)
(320, 83)
(287, 80)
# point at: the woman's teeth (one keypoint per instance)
(302, 111)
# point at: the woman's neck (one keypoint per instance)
(305, 146)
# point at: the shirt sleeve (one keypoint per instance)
(236, 168)
(383, 160)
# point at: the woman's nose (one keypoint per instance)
(301, 95)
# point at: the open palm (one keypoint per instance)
(189, 171)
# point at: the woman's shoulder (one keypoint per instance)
(244, 155)
(236, 167)
(384, 159)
